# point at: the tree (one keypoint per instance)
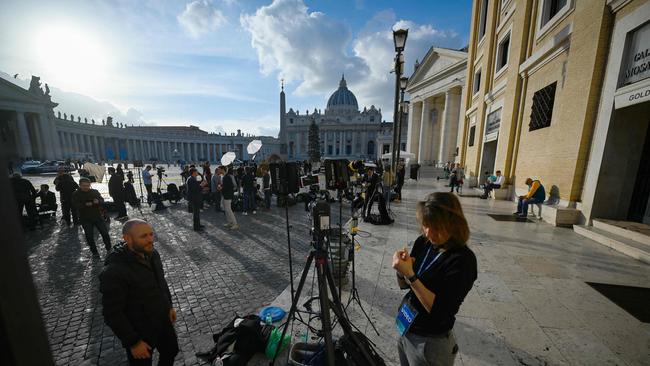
(314, 141)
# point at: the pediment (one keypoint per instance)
(435, 61)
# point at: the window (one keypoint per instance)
(371, 148)
(472, 133)
(550, 10)
(542, 111)
(482, 21)
(348, 149)
(329, 149)
(476, 86)
(502, 52)
(385, 149)
(290, 120)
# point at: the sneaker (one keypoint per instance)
(227, 224)
(245, 213)
(254, 212)
(234, 227)
(516, 213)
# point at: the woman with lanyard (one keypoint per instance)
(439, 272)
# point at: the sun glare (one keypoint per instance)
(73, 59)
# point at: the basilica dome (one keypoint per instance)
(342, 98)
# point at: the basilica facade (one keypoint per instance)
(345, 132)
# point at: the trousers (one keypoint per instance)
(167, 348)
(416, 350)
(230, 216)
(89, 230)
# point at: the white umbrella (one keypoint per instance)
(253, 147)
(228, 158)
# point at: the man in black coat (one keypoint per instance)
(25, 195)
(137, 303)
(48, 199)
(66, 186)
(116, 190)
(88, 202)
(195, 198)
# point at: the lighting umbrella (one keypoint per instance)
(228, 158)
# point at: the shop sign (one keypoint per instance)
(636, 62)
(632, 94)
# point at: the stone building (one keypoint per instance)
(436, 88)
(30, 129)
(535, 73)
(345, 132)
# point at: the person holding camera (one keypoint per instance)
(439, 272)
(48, 199)
(88, 203)
(146, 180)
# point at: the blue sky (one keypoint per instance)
(216, 64)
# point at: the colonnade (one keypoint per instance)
(433, 127)
(120, 148)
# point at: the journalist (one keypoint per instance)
(88, 202)
(439, 272)
(146, 180)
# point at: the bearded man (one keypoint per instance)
(137, 303)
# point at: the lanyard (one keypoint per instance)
(420, 271)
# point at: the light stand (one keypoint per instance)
(354, 293)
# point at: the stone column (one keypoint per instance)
(413, 131)
(23, 132)
(425, 126)
(445, 129)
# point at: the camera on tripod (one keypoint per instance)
(160, 171)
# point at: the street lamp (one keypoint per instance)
(403, 108)
(399, 39)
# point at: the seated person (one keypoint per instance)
(494, 181)
(48, 199)
(536, 194)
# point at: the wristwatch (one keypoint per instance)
(411, 279)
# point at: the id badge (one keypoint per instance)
(405, 317)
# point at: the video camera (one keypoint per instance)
(320, 213)
(160, 171)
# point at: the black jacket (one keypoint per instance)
(248, 182)
(66, 186)
(87, 213)
(47, 199)
(135, 296)
(194, 191)
(23, 189)
(228, 187)
(116, 187)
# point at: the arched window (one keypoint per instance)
(371, 148)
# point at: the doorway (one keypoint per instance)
(639, 208)
(487, 160)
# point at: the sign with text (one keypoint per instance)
(636, 62)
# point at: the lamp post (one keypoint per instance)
(399, 39)
(403, 107)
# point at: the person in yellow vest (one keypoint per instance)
(536, 194)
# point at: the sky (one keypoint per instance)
(217, 64)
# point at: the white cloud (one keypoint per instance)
(302, 46)
(201, 17)
(311, 49)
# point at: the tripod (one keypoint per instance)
(354, 293)
(318, 256)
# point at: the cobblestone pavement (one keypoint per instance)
(212, 276)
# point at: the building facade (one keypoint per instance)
(30, 129)
(435, 110)
(345, 131)
(535, 73)
(617, 183)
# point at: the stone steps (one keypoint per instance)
(637, 250)
(621, 231)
